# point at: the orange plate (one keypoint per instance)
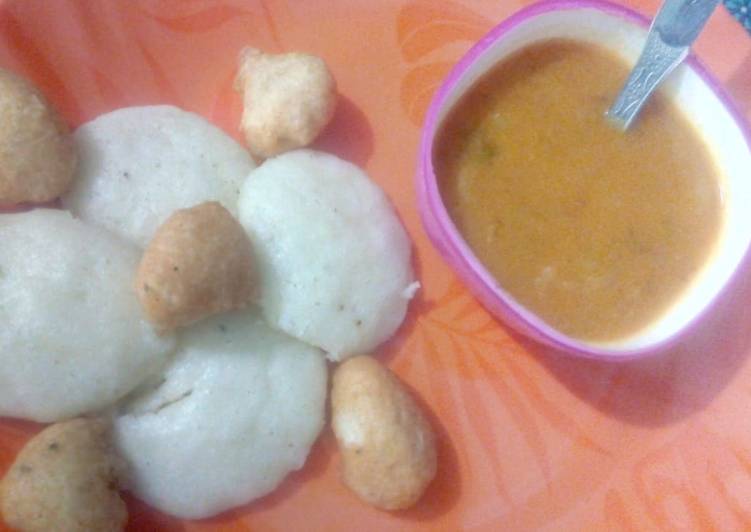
(528, 437)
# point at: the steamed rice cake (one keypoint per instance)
(140, 164)
(333, 258)
(72, 336)
(234, 413)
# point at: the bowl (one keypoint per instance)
(701, 99)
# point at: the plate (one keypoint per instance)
(528, 438)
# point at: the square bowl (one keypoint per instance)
(699, 97)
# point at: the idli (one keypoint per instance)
(72, 336)
(236, 411)
(140, 164)
(333, 259)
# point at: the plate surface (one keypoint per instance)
(529, 438)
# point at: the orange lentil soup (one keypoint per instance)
(595, 230)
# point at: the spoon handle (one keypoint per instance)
(674, 29)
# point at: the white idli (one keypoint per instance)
(140, 164)
(238, 409)
(72, 337)
(333, 258)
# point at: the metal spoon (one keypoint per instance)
(673, 31)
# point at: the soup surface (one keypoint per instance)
(595, 230)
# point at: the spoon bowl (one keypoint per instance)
(697, 94)
(674, 30)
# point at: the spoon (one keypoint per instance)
(673, 31)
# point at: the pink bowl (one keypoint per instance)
(695, 91)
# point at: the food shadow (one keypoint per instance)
(418, 306)
(316, 464)
(664, 388)
(445, 490)
(142, 517)
(6, 208)
(349, 135)
(738, 85)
